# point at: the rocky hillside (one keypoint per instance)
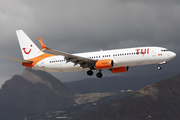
(160, 99)
(114, 83)
(33, 92)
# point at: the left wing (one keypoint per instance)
(84, 62)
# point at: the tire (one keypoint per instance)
(99, 75)
(90, 72)
(159, 68)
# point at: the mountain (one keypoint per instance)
(114, 83)
(160, 99)
(33, 92)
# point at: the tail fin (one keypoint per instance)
(28, 48)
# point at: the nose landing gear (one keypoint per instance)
(161, 63)
(159, 67)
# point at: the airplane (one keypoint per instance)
(117, 60)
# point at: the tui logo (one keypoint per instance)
(142, 52)
(24, 49)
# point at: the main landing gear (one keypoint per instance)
(90, 72)
(99, 74)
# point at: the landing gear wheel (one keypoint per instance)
(90, 72)
(159, 68)
(99, 75)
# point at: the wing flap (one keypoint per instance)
(19, 60)
(71, 57)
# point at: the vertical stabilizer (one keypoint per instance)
(28, 48)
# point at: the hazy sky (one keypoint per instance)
(90, 25)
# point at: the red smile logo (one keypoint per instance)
(24, 49)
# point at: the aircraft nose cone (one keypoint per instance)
(173, 54)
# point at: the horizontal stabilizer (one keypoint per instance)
(19, 60)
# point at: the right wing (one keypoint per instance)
(84, 62)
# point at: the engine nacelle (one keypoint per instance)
(104, 64)
(120, 69)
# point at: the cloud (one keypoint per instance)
(81, 26)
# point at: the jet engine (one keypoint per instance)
(120, 69)
(104, 64)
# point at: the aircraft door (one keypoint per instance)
(154, 52)
(43, 65)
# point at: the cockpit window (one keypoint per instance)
(164, 50)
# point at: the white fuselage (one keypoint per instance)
(121, 57)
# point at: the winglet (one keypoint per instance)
(42, 44)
